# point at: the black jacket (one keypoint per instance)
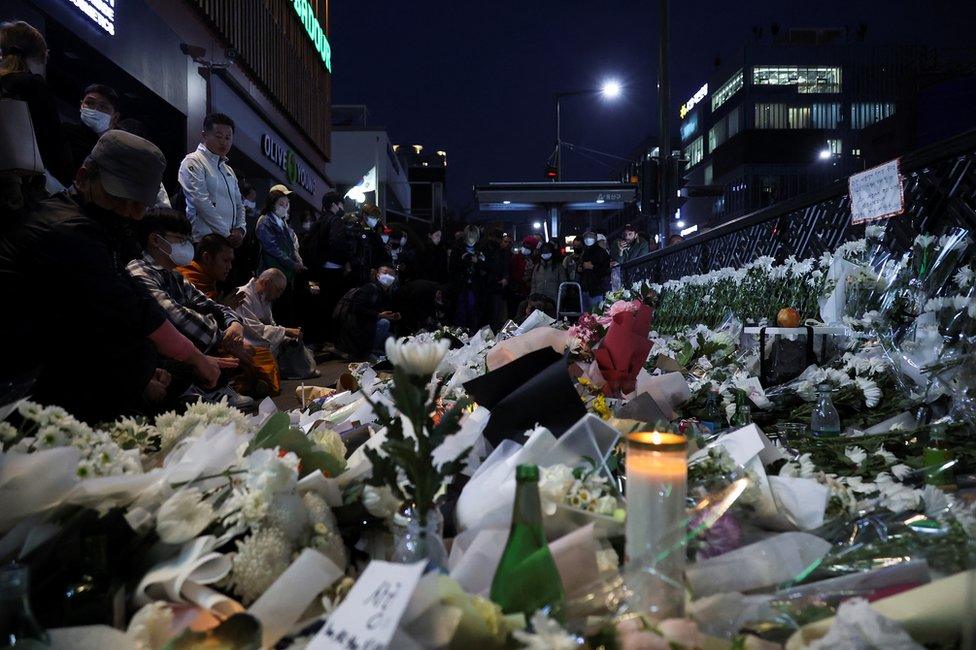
(75, 319)
(594, 281)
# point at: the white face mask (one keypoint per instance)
(386, 279)
(180, 254)
(385, 238)
(589, 241)
(526, 250)
(403, 241)
(281, 212)
(435, 239)
(372, 221)
(547, 256)
(250, 205)
(97, 121)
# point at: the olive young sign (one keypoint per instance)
(100, 12)
(307, 15)
(286, 159)
(690, 104)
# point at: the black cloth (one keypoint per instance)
(431, 262)
(596, 280)
(416, 302)
(42, 105)
(76, 320)
(81, 140)
(359, 317)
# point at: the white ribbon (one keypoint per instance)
(184, 578)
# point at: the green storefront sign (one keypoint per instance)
(307, 15)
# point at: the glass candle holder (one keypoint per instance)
(657, 476)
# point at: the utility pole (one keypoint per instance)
(664, 130)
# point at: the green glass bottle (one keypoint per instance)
(18, 627)
(527, 579)
(743, 412)
(936, 456)
(90, 596)
(713, 419)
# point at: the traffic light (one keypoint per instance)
(552, 172)
(648, 186)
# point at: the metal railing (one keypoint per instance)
(940, 193)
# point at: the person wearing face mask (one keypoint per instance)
(23, 62)
(548, 273)
(99, 112)
(212, 327)
(470, 273)
(593, 271)
(280, 248)
(326, 252)
(375, 252)
(366, 315)
(63, 264)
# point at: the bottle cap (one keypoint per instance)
(527, 473)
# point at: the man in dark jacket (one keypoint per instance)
(77, 324)
(365, 315)
(594, 271)
(630, 247)
(469, 273)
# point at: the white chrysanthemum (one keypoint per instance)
(870, 390)
(270, 473)
(254, 506)
(172, 427)
(415, 355)
(183, 516)
(855, 454)
(329, 441)
(554, 484)
(935, 500)
(605, 505)
(889, 457)
(8, 432)
(380, 501)
(547, 635)
(924, 241)
(260, 560)
(964, 277)
(151, 627)
(896, 496)
(874, 231)
(900, 471)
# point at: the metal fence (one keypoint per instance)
(940, 193)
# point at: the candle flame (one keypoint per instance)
(657, 438)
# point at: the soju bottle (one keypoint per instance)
(824, 421)
(18, 627)
(526, 579)
(743, 412)
(935, 456)
(713, 418)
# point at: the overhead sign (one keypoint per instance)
(315, 32)
(877, 193)
(285, 158)
(100, 12)
(690, 104)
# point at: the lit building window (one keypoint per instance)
(709, 174)
(734, 120)
(856, 152)
(835, 146)
(695, 151)
(799, 117)
(866, 113)
(717, 134)
(806, 80)
(771, 116)
(826, 116)
(726, 90)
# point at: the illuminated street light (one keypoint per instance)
(537, 225)
(611, 89)
(507, 202)
(824, 154)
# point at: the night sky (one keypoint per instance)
(477, 79)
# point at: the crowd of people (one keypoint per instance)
(124, 299)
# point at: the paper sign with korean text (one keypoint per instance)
(877, 193)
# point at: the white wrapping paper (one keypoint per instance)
(177, 579)
(519, 346)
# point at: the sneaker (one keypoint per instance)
(240, 402)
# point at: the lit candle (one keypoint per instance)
(657, 474)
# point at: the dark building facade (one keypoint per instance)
(427, 174)
(787, 115)
(266, 63)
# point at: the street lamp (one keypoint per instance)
(825, 154)
(537, 225)
(611, 89)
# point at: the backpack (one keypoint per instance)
(343, 308)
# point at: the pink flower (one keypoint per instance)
(618, 307)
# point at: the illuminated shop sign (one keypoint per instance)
(315, 32)
(289, 163)
(100, 12)
(690, 104)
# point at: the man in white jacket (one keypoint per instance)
(213, 197)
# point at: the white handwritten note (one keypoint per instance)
(368, 617)
(876, 193)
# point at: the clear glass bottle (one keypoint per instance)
(414, 540)
(526, 579)
(825, 421)
(90, 595)
(18, 627)
(713, 418)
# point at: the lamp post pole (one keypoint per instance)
(664, 130)
(559, 139)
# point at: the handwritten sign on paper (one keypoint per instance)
(368, 617)
(876, 193)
